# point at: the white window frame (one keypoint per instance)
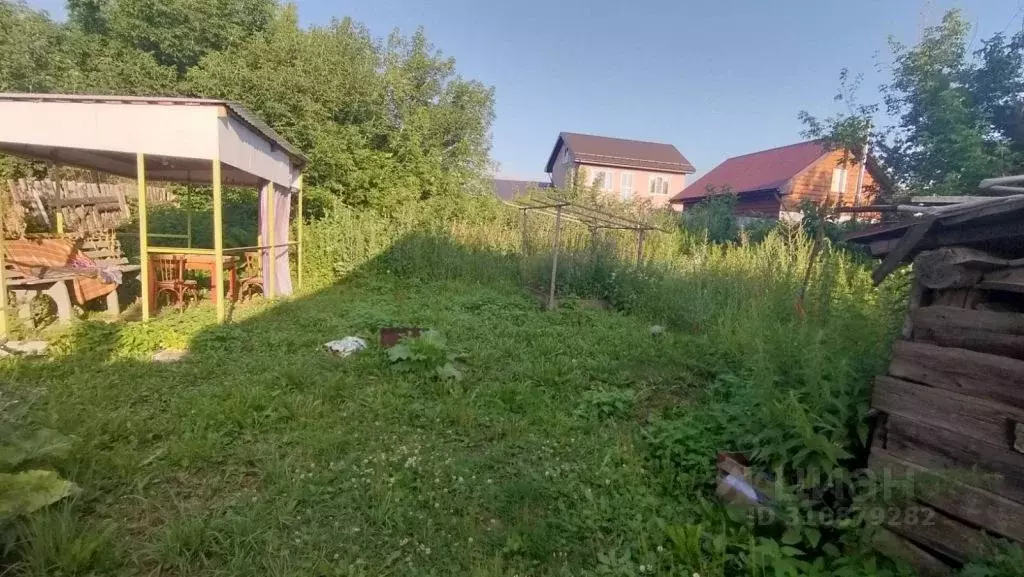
(658, 190)
(838, 184)
(626, 190)
(566, 156)
(606, 176)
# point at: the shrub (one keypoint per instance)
(427, 355)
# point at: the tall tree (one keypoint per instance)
(384, 123)
(177, 33)
(956, 117)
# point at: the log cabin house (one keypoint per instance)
(772, 183)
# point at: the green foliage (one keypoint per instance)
(426, 354)
(945, 140)
(851, 132)
(608, 404)
(385, 122)
(713, 218)
(958, 116)
(1003, 559)
(27, 491)
(57, 541)
(176, 33)
(24, 488)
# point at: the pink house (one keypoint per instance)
(624, 168)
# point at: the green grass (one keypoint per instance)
(261, 454)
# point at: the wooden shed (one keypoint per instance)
(952, 400)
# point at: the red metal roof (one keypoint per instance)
(605, 151)
(758, 171)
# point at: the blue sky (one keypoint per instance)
(716, 78)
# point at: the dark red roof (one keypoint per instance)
(605, 151)
(758, 171)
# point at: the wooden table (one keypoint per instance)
(205, 262)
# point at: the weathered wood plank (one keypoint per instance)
(974, 462)
(954, 266)
(945, 535)
(1010, 280)
(954, 236)
(977, 330)
(962, 298)
(983, 508)
(916, 296)
(984, 420)
(896, 547)
(982, 375)
(902, 249)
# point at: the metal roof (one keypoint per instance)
(621, 152)
(758, 171)
(234, 108)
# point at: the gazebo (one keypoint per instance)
(199, 141)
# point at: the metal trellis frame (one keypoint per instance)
(593, 218)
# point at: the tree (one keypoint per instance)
(31, 45)
(385, 122)
(851, 131)
(176, 33)
(957, 116)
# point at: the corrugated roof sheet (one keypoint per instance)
(606, 151)
(236, 109)
(758, 171)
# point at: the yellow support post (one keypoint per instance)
(272, 262)
(218, 240)
(3, 279)
(298, 247)
(60, 222)
(140, 176)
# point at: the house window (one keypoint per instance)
(603, 179)
(566, 157)
(838, 180)
(626, 186)
(658, 185)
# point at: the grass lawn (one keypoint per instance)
(261, 454)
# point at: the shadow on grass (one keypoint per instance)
(260, 453)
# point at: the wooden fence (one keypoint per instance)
(84, 206)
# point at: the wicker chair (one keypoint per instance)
(252, 284)
(169, 284)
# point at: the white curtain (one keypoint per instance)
(282, 215)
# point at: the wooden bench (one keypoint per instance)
(103, 248)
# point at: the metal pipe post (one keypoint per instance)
(140, 177)
(640, 246)
(554, 258)
(218, 240)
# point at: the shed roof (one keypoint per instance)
(992, 224)
(179, 136)
(607, 151)
(759, 171)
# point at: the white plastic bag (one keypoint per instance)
(346, 346)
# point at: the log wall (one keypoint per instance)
(952, 406)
